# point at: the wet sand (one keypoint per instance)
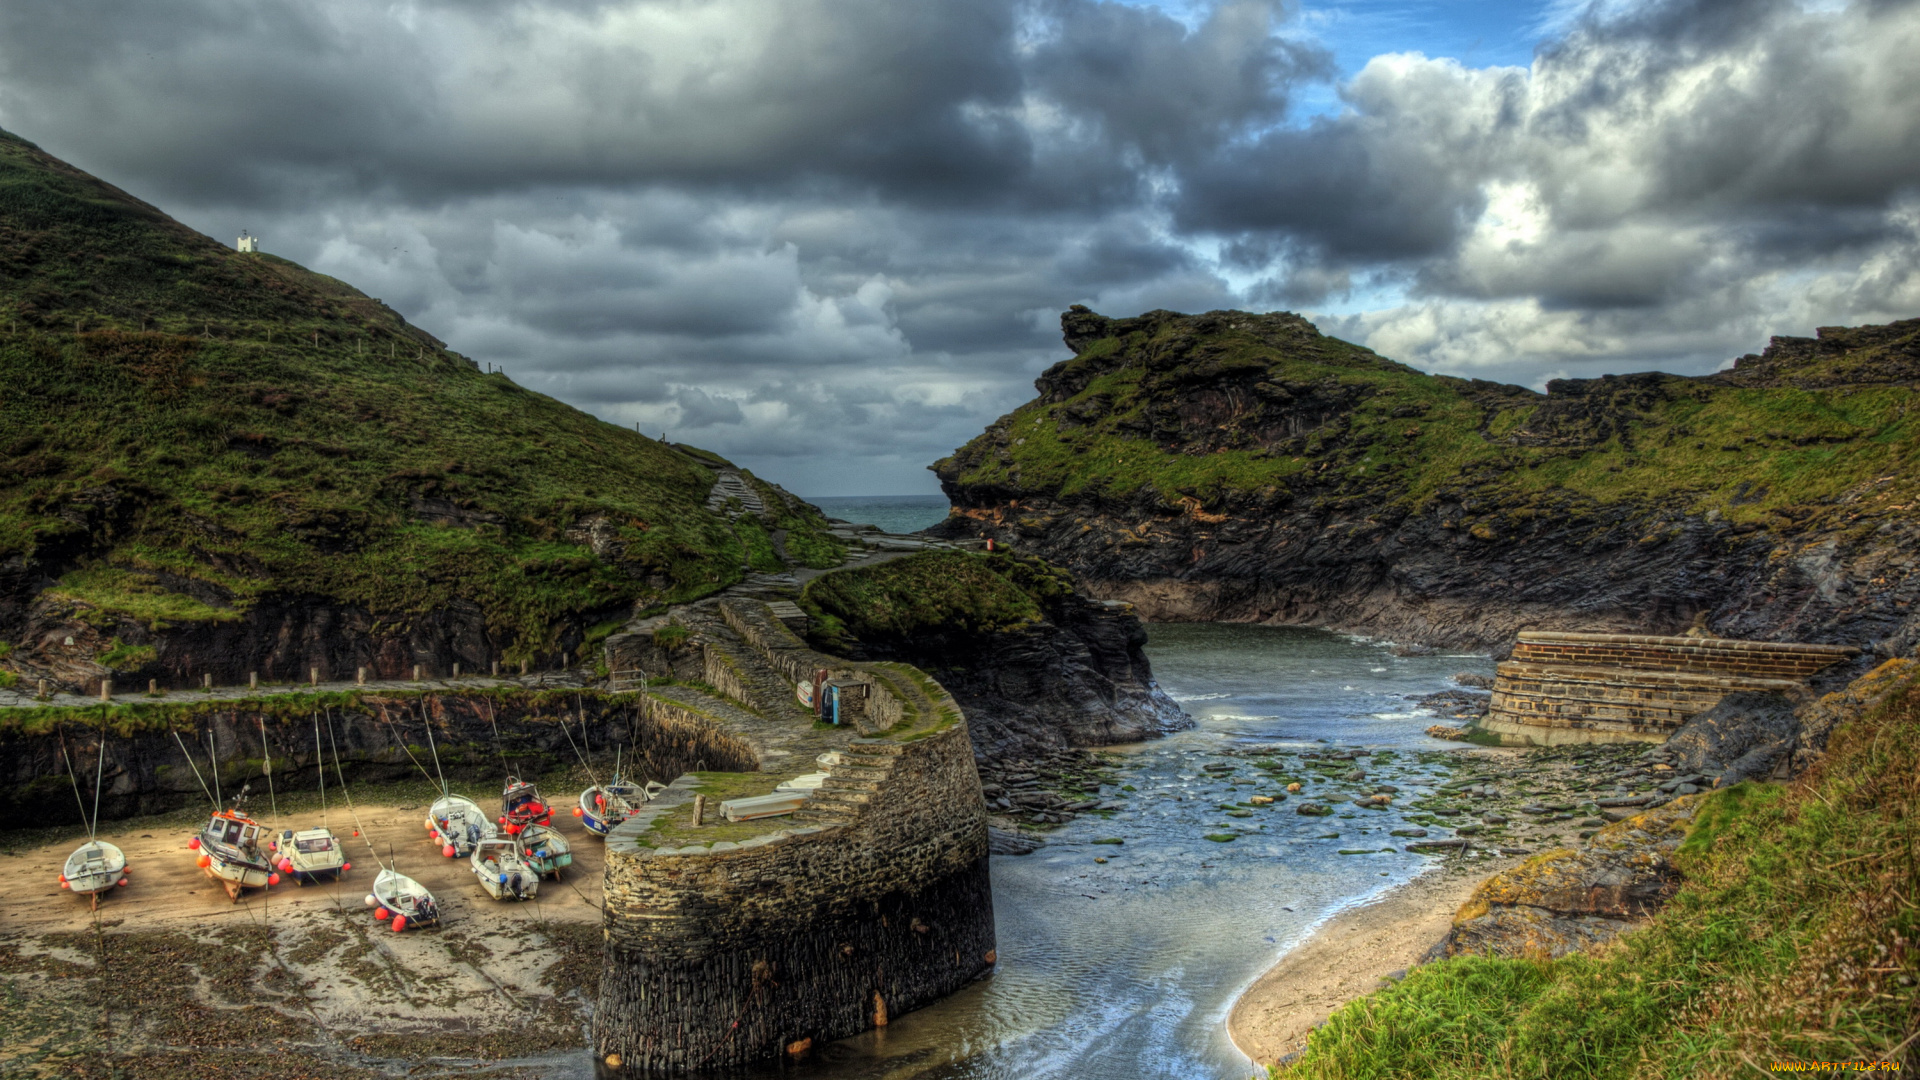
(174, 977)
(1346, 958)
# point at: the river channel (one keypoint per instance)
(1127, 968)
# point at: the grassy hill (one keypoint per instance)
(189, 434)
(1213, 406)
(1233, 465)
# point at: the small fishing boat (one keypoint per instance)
(544, 849)
(230, 851)
(94, 868)
(502, 872)
(458, 823)
(604, 806)
(401, 901)
(96, 865)
(310, 855)
(521, 805)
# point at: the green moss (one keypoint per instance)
(123, 657)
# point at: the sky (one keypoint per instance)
(831, 239)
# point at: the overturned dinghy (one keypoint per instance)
(502, 872)
(459, 824)
(545, 850)
(94, 868)
(401, 901)
(604, 806)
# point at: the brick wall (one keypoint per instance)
(1597, 687)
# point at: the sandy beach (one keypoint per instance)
(1348, 957)
(174, 974)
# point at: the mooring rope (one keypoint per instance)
(208, 792)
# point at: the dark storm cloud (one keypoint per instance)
(833, 237)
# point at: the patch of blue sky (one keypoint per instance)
(1477, 33)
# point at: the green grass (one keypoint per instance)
(1793, 939)
(189, 431)
(675, 828)
(934, 592)
(1402, 440)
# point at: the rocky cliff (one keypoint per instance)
(1037, 667)
(1232, 466)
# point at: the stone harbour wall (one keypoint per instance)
(1565, 687)
(872, 901)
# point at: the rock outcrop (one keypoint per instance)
(1562, 901)
(1232, 466)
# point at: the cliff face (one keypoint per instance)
(1231, 466)
(1036, 666)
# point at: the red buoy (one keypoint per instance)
(123, 883)
(447, 851)
(205, 861)
(399, 923)
(577, 812)
(273, 879)
(193, 844)
(383, 914)
(345, 866)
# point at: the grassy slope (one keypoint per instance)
(1411, 437)
(1793, 940)
(173, 407)
(936, 591)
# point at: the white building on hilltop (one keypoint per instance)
(248, 243)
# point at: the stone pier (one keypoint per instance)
(734, 943)
(1578, 688)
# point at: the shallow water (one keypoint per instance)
(1128, 969)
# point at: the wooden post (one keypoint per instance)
(456, 671)
(153, 686)
(206, 681)
(313, 676)
(360, 676)
(496, 669)
(699, 810)
(523, 669)
(416, 673)
(106, 690)
(253, 680)
(43, 688)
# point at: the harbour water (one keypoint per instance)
(1128, 968)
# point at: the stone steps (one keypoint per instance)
(738, 669)
(728, 485)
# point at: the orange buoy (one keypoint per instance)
(205, 861)
(193, 844)
(399, 923)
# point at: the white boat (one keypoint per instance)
(604, 806)
(458, 823)
(310, 855)
(545, 849)
(502, 872)
(401, 901)
(94, 868)
(230, 852)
